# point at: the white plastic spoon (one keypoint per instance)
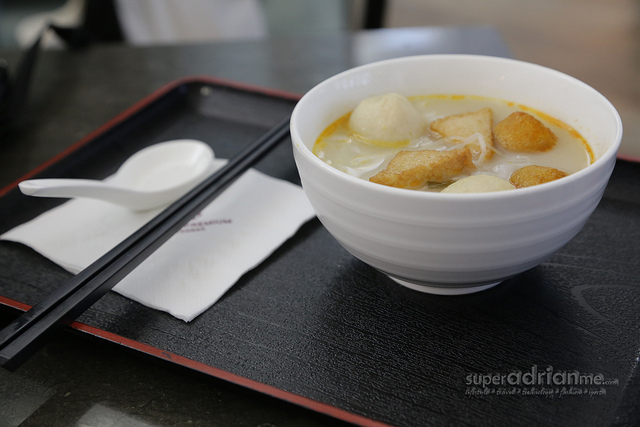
(152, 177)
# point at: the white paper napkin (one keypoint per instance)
(196, 266)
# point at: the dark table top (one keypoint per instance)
(75, 379)
(75, 92)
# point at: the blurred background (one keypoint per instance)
(597, 41)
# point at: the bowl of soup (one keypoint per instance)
(453, 173)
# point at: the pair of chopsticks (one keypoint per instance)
(24, 335)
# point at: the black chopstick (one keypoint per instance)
(23, 336)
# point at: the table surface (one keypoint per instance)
(75, 379)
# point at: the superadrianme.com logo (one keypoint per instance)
(538, 381)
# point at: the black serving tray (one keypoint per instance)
(316, 327)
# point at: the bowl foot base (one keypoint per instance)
(445, 290)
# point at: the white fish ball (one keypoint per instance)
(387, 118)
(479, 184)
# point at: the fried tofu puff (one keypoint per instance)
(479, 184)
(522, 132)
(384, 119)
(462, 126)
(534, 175)
(414, 169)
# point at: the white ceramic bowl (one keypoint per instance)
(455, 243)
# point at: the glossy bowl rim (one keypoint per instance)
(365, 185)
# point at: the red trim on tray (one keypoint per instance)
(13, 303)
(166, 355)
(243, 86)
(629, 158)
(232, 378)
(296, 399)
(157, 94)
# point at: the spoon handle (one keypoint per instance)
(86, 188)
(55, 187)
